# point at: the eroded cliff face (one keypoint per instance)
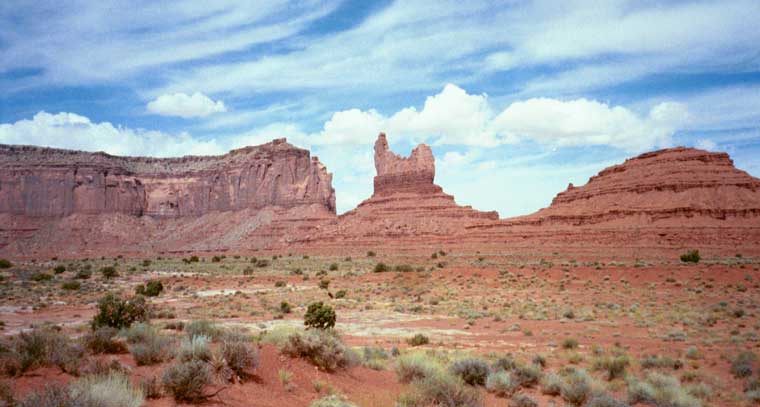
(662, 186)
(37, 181)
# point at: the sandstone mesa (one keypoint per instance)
(277, 197)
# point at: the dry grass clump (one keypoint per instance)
(472, 370)
(440, 389)
(186, 381)
(147, 345)
(113, 390)
(41, 347)
(103, 340)
(660, 390)
(332, 401)
(416, 366)
(323, 348)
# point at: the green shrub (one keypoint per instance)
(501, 383)
(692, 256)
(5, 264)
(660, 362)
(324, 284)
(83, 274)
(333, 400)
(186, 381)
(285, 307)
(103, 340)
(148, 346)
(416, 366)
(576, 388)
(526, 375)
(440, 389)
(334, 267)
(381, 268)
(40, 277)
(71, 285)
(319, 316)
(113, 390)
(120, 313)
(152, 288)
(522, 400)
(418, 340)
(59, 269)
(570, 343)
(371, 254)
(551, 384)
(241, 356)
(404, 268)
(660, 390)
(50, 396)
(195, 348)
(472, 370)
(202, 327)
(322, 348)
(109, 272)
(741, 365)
(614, 366)
(42, 347)
(604, 400)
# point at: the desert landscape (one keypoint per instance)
(382, 203)
(143, 277)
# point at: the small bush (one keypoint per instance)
(40, 348)
(576, 388)
(604, 400)
(320, 347)
(324, 284)
(522, 400)
(614, 366)
(501, 384)
(71, 285)
(741, 365)
(151, 387)
(340, 294)
(202, 327)
(186, 381)
(59, 269)
(113, 390)
(109, 272)
(195, 348)
(526, 375)
(103, 340)
(83, 274)
(440, 389)
(570, 343)
(551, 384)
(40, 277)
(120, 313)
(50, 396)
(5, 264)
(319, 316)
(660, 390)
(692, 256)
(416, 366)
(404, 268)
(473, 371)
(241, 357)
(381, 268)
(371, 254)
(418, 340)
(155, 348)
(333, 400)
(660, 362)
(152, 288)
(285, 307)
(333, 266)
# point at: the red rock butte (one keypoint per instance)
(277, 197)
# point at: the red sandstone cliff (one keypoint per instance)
(61, 201)
(38, 181)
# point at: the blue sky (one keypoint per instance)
(516, 98)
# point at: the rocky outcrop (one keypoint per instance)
(37, 181)
(664, 186)
(406, 205)
(61, 202)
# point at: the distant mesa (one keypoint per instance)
(278, 197)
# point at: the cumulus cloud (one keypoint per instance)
(589, 122)
(454, 117)
(72, 131)
(187, 106)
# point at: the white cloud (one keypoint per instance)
(72, 131)
(706, 144)
(187, 106)
(589, 122)
(454, 117)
